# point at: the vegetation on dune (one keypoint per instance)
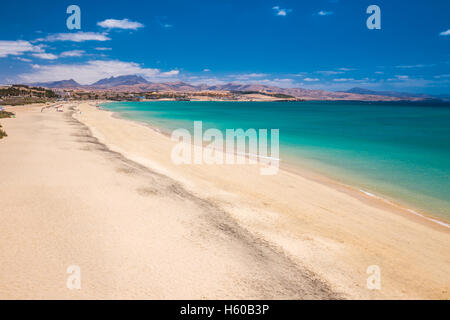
(22, 94)
(2, 132)
(282, 96)
(22, 90)
(19, 101)
(4, 114)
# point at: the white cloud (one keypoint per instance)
(76, 37)
(17, 48)
(343, 80)
(400, 78)
(277, 82)
(72, 53)
(324, 13)
(255, 75)
(103, 49)
(346, 69)
(214, 80)
(409, 82)
(442, 76)
(120, 24)
(329, 73)
(206, 70)
(162, 21)
(45, 56)
(91, 71)
(23, 59)
(196, 80)
(311, 79)
(445, 33)
(415, 66)
(281, 11)
(170, 73)
(247, 76)
(51, 56)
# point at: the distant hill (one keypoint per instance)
(310, 94)
(135, 83)
(120, 81)
(68, 84)
(444, 97)
(395, 94)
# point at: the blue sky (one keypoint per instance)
(320, 44)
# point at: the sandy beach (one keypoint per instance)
(84, 187)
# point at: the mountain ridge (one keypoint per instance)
(136, 83)
(119, 81)
(397, 94)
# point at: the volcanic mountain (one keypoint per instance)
(66, 84)
(138, 84)
(119, 81)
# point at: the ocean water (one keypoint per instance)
(399, 151)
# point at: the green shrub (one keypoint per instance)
(6, 114)
(2, 133)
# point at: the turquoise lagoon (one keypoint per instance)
(398, 151)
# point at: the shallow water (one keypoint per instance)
(399, 151)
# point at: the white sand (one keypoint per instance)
(141, 227)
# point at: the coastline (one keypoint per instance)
(396, 205)
(260, 203)
(69, 200)
(146, 228)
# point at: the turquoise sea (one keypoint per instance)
(399, 151)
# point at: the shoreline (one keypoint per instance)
(134, 233)
(310, 173)
(254, 201)
(101, 192)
